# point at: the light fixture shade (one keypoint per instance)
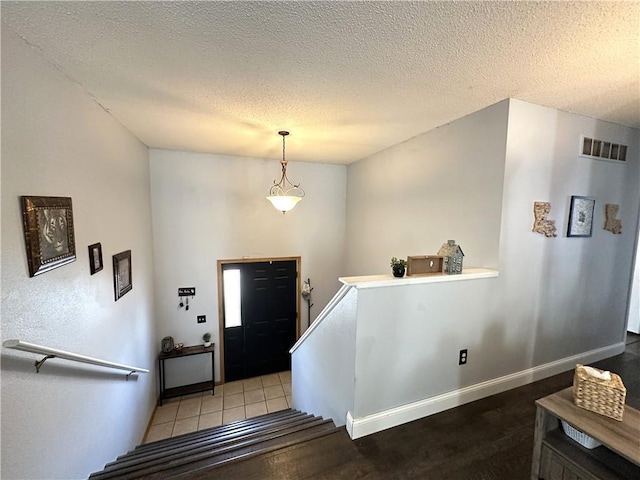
(283, 203)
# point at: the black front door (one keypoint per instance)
(267, 330)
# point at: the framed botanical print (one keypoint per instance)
(95, 258)
(581, 216)
(122, 282)
(48, 233)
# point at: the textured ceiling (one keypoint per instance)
(347, 79)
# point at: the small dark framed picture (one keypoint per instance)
(581, 216)
(122, 282)
(48, 233)
(95, 257)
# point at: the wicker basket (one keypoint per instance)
(582, 438)
(605, 397)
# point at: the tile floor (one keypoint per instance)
(232, 401)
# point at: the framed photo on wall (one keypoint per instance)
(95, 258)
(581, 216)
(48, 232)
(122, 282)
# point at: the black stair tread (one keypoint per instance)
(208, 444)
(266, 418)
(263, 420)
(252, 420)
(187, 462)
(164, 461)
(324, 456)
(210, 435)
(213, 440)
(187, 470)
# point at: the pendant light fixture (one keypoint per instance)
(284, 195)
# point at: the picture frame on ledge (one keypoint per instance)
(581, 216)
(95, 258)
(122, 280)
(48, 232)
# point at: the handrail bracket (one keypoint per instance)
(130, 373)
(39, 363)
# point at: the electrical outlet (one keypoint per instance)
(202, 318)
(462, 359)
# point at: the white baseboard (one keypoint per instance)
(349, 425)
(360, 427)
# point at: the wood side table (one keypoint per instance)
(191, 388)
(556, 456)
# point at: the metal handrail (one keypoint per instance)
(55, 353)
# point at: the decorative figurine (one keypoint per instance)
(453, 257)
(167, 344)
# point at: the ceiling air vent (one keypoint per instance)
(602, 150)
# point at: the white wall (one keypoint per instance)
(554, 297)
(323, 364)
(565, 295)
(70, 419)
(210, 207)
(444, 184)
(634, 303)
(409, 338)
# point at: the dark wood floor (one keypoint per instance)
(490, 439)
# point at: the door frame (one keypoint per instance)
(298, 261)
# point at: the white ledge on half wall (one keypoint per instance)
(376, 281)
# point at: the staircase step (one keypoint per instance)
(201, 457)
(210, 445)
(187, 470)
(321, 457)
(240, 424)
(231, 430)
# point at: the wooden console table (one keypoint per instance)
(556, 456)
(186, 389)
